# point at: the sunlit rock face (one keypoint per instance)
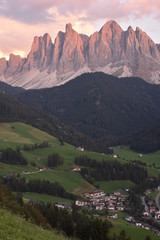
(111, 50)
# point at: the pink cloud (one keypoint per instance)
(23, 19)
(38, 10)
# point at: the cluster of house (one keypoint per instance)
(152, 211)
(98, 200)
(141, 224)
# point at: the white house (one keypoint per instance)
(80, 149)
(138, 224)
(96, 194)
(111, 207)
(81, 203)
(145, 214)
(99, 207)
(76, 169)
(157, 215)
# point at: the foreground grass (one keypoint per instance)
(14, 227)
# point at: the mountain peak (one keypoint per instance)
(111, 50)
(46, 36)
(138, 29)
(130, 28)
(68, 27)
(111, 25)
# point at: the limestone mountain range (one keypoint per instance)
(111, 50)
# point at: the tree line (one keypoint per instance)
(19, 184)
(110, 170)
(10, 156)
(54, 160)
(43, 144)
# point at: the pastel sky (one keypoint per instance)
(21, 20)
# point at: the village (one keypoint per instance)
(112, 204)
(98, 201)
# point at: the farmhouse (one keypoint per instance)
(129, 219)
(120, 206)
(111, 207)
(121, 198)
(138, 224)
(157, 215)
(99, 207)
(148, 191)
(81, 203)
(145, 214)
(117, 194)
(115, 216)
(80, 149)
(113, 197)
(76, 169)
(95, 194)
(152, 209)
(146, 226)
(63, 205)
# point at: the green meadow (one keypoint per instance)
(71, 181)
(111, 186)
(134, 232)
(44, 198)
(17, 134)
(126, 154)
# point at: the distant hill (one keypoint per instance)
(12, 110)
(101, 106)
(147, 140)
(6, 88)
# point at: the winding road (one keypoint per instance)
(157, 200)
(145, 206)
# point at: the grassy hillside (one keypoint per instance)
(43, 198)
(14, 227)
(127, 154)
(17, 134)
(12, 110)
(112, 186)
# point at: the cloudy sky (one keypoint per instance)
(21, 20)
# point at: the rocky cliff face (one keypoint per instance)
(111, 50)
